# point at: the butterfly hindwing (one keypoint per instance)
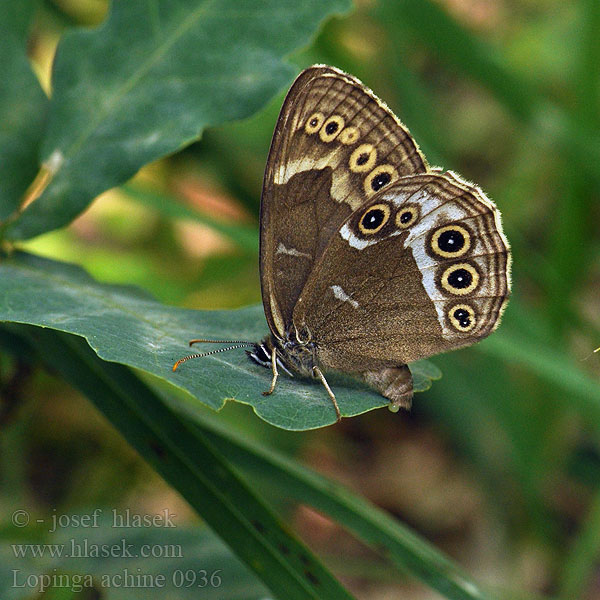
(421, 269)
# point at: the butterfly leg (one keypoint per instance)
(320, 375)
(275, 373)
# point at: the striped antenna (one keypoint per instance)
(236, 344)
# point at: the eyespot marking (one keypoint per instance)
(314, 122)
(407, 216)
(460, 279)
(363, 158)
(374, 218)
(331, 128)
(450, 241)
(379, 177)
(462, 317)
(349, 135)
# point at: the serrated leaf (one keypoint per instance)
(149, 80)
(124, 325)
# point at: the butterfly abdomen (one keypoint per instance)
(394, 383)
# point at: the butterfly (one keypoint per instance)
(369, 258)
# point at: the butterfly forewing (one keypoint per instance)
(335, 146)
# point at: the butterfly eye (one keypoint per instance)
(331, 128)
(451, 241)
(407, 216)
(314, 122)
(374, 219)
(363, 158)
(462, 317)
(460, 279)
(379, 177)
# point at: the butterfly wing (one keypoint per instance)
(335, 146)
(424, 267)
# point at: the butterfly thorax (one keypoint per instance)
(292, 355)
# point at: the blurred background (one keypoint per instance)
(498, 464)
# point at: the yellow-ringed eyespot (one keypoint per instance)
(407, 216)
(379, 177)
(460, 279)
(450, 241)
(349, 135)
(331, 128)
(314, 122)
(374, 218)
(363, 158)
(462, 317)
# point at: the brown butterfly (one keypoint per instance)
(369, 258)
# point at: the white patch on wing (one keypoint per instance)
(343, 190)
(432, 213)
(354, 241)
(281, 249)
(340, 294)
(395, 198)
(307, 163)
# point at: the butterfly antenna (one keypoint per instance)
(236, 344)
(192, 342)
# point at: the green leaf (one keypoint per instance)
(149, 80)
(186, 459)
(424, 374)
(124, 325)
(22, 112)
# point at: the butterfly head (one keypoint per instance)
(296, 353)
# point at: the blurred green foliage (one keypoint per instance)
(505, 93)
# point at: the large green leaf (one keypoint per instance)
(124, 325)
(22, 109)
(149, 80)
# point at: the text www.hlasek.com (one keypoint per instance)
(84, 549)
